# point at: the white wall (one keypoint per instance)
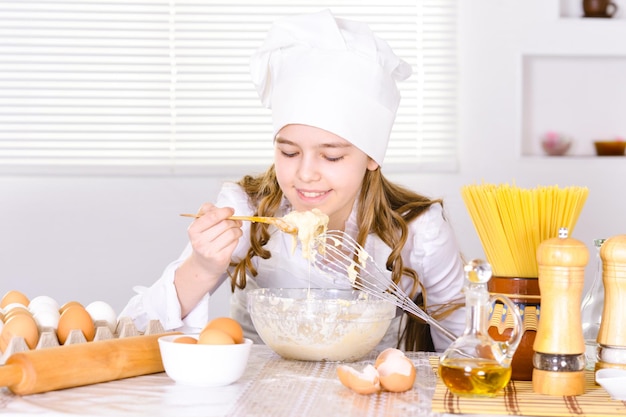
(93, 238)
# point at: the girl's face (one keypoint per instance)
(318, 169)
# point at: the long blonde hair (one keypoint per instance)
(384, 209)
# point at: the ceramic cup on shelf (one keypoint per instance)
(599, 8)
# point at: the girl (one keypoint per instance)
(331, 85)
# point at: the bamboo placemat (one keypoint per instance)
(518, 398)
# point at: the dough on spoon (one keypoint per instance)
(310, 225)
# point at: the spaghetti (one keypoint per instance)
(511, 222)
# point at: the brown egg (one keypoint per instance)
(69, 304)
(186, 339)
(14, 296)
(361, 382)
(19, 325)
(215, 337)
(75, 317)
(228, 326)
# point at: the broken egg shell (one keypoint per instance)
(386, 354)
(396, 373)
(361, 382)
(392, 371)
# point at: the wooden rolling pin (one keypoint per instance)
(79, 364)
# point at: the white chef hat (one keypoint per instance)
(331, 73)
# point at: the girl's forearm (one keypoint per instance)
(192, 282)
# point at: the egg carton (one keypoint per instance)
(48, 338)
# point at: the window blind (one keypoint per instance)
(163, 87)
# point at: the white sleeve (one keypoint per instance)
(434, 253)
(160, 300)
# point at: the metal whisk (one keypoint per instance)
(338, 254)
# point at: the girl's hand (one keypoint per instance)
(213, 240)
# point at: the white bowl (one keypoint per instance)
(319, 324)
(202, 364)
(613, 380)
(556, 144)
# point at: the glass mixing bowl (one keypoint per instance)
(319, 324)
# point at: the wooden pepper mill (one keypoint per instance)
(612, 333)
(559, 359)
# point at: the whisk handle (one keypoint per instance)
(442, 329)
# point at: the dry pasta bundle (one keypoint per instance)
(511, 222)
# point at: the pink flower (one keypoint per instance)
(551, 137)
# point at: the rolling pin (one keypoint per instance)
(67, 366)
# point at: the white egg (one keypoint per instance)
(43, 301)
(47, 318)
(12, 306)
(103, 312)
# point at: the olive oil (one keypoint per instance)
(475, 365)
(474, 377)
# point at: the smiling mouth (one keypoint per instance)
(312, 194)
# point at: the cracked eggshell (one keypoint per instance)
(397, 373)
(392, 371)
(361, 382)
(386, 354)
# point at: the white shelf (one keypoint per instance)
(572, 81)
(580, 96)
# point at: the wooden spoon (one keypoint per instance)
(276, 221)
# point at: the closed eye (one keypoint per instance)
(334, 159)
(289, 154)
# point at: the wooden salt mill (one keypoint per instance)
(612, 333)
(559, 359)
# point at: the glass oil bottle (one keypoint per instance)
(475, 365)
(591, 311)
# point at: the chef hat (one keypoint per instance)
(330, 73)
